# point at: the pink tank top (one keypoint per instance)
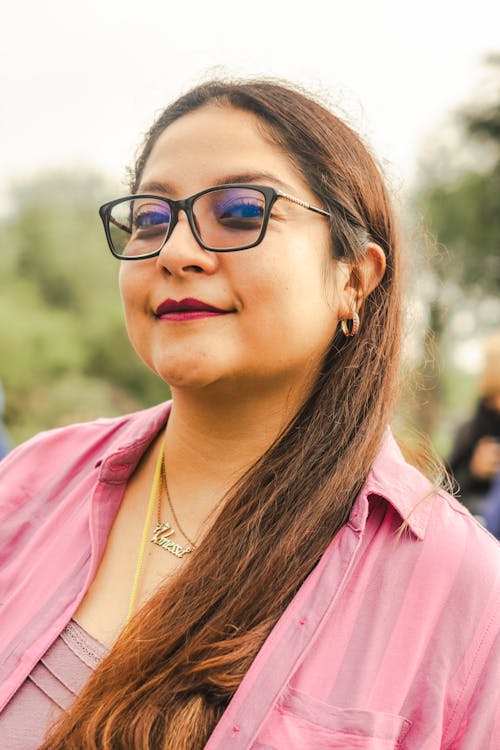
(50, 687)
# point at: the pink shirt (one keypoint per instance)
(388, 643)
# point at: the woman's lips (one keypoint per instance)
(187, 309)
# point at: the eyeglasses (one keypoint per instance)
(222, 219)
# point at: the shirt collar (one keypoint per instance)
(390, 477)
(408, 491)
(119, 461)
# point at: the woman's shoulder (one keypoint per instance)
(458, 548)
(61, 468)
(50, 449)
(427, 511)
(454, 531)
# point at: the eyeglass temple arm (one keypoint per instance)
(120, 226)
(300, 202)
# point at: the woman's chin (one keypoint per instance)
(188, 375)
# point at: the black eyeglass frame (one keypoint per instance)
(270, 194)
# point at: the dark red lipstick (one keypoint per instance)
(187, 309)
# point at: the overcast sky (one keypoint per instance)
(81, 82)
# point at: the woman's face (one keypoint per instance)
(281, 299)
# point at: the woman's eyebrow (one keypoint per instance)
(254, 176)
(164, 188)
(155, 187)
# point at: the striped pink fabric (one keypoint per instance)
(50, 688)
(391, 642)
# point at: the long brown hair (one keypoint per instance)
(169, 677)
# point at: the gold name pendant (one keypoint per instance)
(161, 536)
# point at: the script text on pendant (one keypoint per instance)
(161, 536)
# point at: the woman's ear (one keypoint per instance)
(372, 268)
(361, 278)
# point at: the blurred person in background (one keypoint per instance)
(475, 458)
(491, 508)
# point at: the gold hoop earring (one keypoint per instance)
(354, 327)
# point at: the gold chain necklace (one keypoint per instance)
(154, 498)
(163, 531)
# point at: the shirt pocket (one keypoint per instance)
(299, 722)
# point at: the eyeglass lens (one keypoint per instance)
(225, 219)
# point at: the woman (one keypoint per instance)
(475, 457)
(238, 550)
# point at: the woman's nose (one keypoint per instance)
(182, 254)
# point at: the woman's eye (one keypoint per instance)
(150, 219)
(149, 222)
(240, 211)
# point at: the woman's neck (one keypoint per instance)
(212, 439)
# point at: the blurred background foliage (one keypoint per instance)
(453, 218)
(64, 353)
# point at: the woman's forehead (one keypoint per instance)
(214, 144)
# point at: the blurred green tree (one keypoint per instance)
(460, 207)
(464, 212)
(64, 352)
